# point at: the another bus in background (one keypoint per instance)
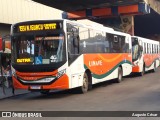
(145, 55)
(5, 61)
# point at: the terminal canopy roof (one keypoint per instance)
(75, 5)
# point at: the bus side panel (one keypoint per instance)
(150, 60)
(75, 72)
(105, 66)
(156, 59)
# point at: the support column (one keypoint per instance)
(127, 24)
(122, 23)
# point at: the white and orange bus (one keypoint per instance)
(63, 54)
(145, 55)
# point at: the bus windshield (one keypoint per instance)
(136, 52)
(38, 49)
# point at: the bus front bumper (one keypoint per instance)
(60, 83)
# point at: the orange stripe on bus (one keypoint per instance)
(108, 61)
(149, 58)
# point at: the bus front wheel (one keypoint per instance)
(85, 84)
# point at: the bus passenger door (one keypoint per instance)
(73, 44)
(137, 53)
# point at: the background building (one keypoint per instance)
(12, 11)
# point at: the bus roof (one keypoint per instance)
(146, 40)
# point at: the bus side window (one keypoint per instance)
(73, 43)
(70, 44)
(116, 45)
(151, 48)
(125, 44)
(143, 47)
(147, 48)
(76, 40)
(110, 42)
(106, 43)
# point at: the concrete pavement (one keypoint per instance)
(8, 92)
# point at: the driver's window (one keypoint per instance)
(73, 40)
(70, 44)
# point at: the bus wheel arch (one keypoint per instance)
(88, 72)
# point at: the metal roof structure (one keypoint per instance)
(82, 9)
(76, 5)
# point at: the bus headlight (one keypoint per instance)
(45, 80)
(60, 73)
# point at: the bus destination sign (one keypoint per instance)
(37, 27)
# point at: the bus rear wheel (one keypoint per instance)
(85, 85)
(120, 75)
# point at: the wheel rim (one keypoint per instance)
(85, 84)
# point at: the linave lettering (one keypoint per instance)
(95, 63)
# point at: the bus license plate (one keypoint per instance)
(35, 87)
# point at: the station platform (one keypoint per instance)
(8, 92)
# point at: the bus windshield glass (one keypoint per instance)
(38, 49)
(135, 49)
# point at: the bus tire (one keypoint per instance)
(89, 79)
(143, 71)
(120, 75)
(154, 69)
(85, 85)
